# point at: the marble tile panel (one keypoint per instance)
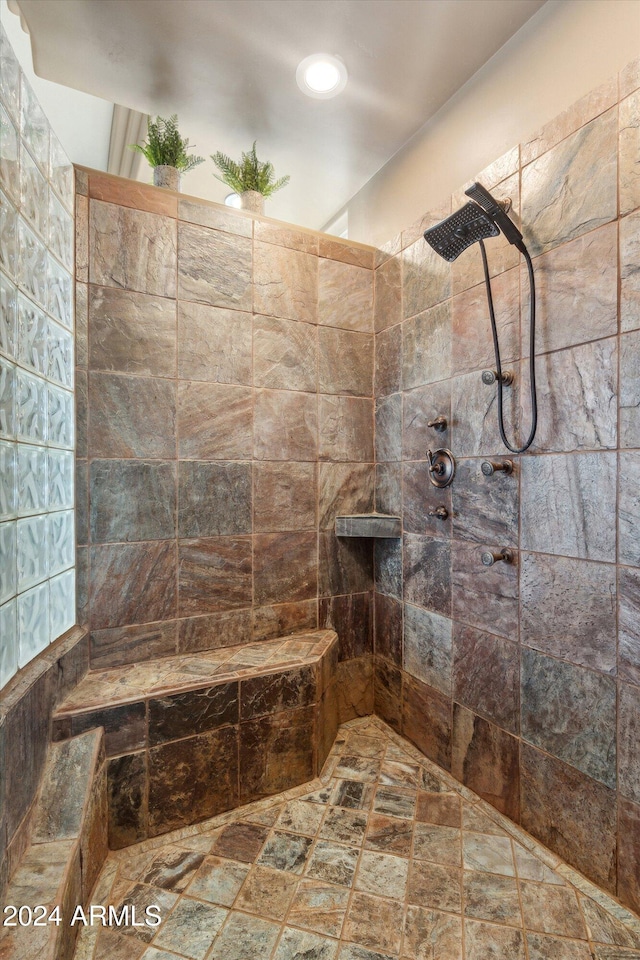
(193, 712)
(132, 500)
(132, 249)
(484, 597)
(383, 875)
(442, 809)
(577, 398)
(285, 354)
(628, 745)
(264, 695)
(120, 645)
(472, 345)
(126, 789)
(388, 489)
(172, 869)
(352, 794)
(492, 898)
(345, 296)
(131, 417)
(485, 509)
(360, 255)
(285, 567)
(214, 344)
(389, 835)
(630, 390)
(427, 573)
(286, 851)
(284, 618)
(351, 617)
(218, 881)
(240, 841)
(388, 567)
(214, 421)
(604, 927)
(130, 193)
(214, 574)
(565, 287)
(629, 853)
(629, 508)
(245, 936)
(486, 759)
(214, 498)
(570, 713)
(488, 854)
(568, 609)
(629, 144)
(426, 720)
(387, 310)
(474, 417)
(297, 944)
(298, 816)
(568, 505)
(430, 931)
(435, 886)
(426, 278)
(486, 675)
(132, 583)
(285, 425)
(562, 194)
(344, 489)
(215, 215)
(285, 282)
(193, 779)
(374, 922)
(276, 753)
(416, 230)
(630, 272)
(541, 947)
(484, 941)
(333, 862)
(421, 406)
(345, 428)
(345, 362)
(355, 688)
(437, 844)
(629, 624)
(387, 372)
(285, 236)
(124, 727)
(284, 496)
(571, 813)
(267, 893)
(345, 565)
(388, 427)
(427, 346)
(551, 909)
(81, 324)
(427, 648)
(214, 267)
(388, 628)
(131, 332)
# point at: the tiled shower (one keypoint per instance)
(239, 383)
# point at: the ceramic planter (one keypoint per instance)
(167, 177)
(252, 201)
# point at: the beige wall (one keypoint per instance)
(567, 49)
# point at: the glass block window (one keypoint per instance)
(37, 538)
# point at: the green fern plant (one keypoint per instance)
(165, 147)
(248, 174)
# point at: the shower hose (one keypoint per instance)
(496, 348)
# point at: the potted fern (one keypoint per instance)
(166, 151)
(249, 178)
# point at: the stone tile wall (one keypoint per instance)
(225, 416)
(524, 680)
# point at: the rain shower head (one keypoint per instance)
(484, 217)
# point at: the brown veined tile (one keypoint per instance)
(486, 675)
(345, 296)
(240, 841)
(132, 500)
(571, 813)
(472, 347)
(216, 630)
(552, 948)
(629, 282)
(604, 927)
(218, 881)
(389, 835)
(333, 862)
(215, 215)
(277, 692)
(285, 282)
(267, 893)
(298, 816)
(131, 332)
(285, 354)
(214, 498)
(388, 294)
(345, 428)
(286, 851)
(132, 249)
(483, 940)
(279, 620)
(214, 267)
(131, 417)
(284, 496)
(284, 235)
(344, 489)
(491, 898)
(443, 809)
(214, 421)
(214, 344)
(551, 909)
(426, 720)
(276, 753)
(382, 874)
(426, 278)
(488, 854)
(352, 794)
(214, 574)
(126, 791)
(366, 769)
(483, 597)
(172, 869)
(486, 759)
(427, 930)
(344, 825)
(374, 922)
(351, 617)
(434, 885)
(629, 854)
(124, 726)
(132, 583)
(319, 906)
(131, 193)
(285, 425)
(191, 928)
(245, 936)
(359, 256)
(387, 362)
(355, 688)
(437, 843)
(387, 692)
(628, 747)
(192, 712)
(629, 122)
(142, 896)
(285, 567)
(119, 645)
(345, 362)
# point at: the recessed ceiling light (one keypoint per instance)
(321, 76)
(233, 200)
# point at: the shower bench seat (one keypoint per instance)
(192, 736)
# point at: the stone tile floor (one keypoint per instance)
(383, 857)
(128, 683)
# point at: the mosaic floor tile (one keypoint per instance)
(357, 869)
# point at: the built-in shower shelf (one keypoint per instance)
(369, 525)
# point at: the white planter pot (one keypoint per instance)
(252, 201)
(167, 177)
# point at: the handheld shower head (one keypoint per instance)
(464, 227)
(497, 213)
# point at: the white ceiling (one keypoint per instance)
(227, 67)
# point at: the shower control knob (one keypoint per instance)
(440, 512)
(489, 467)
(490, 377)
(439, 424)
(488, 558)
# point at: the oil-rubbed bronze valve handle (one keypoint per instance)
(488, 558)
(440, 512)
(439, 424)
(489, 467)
